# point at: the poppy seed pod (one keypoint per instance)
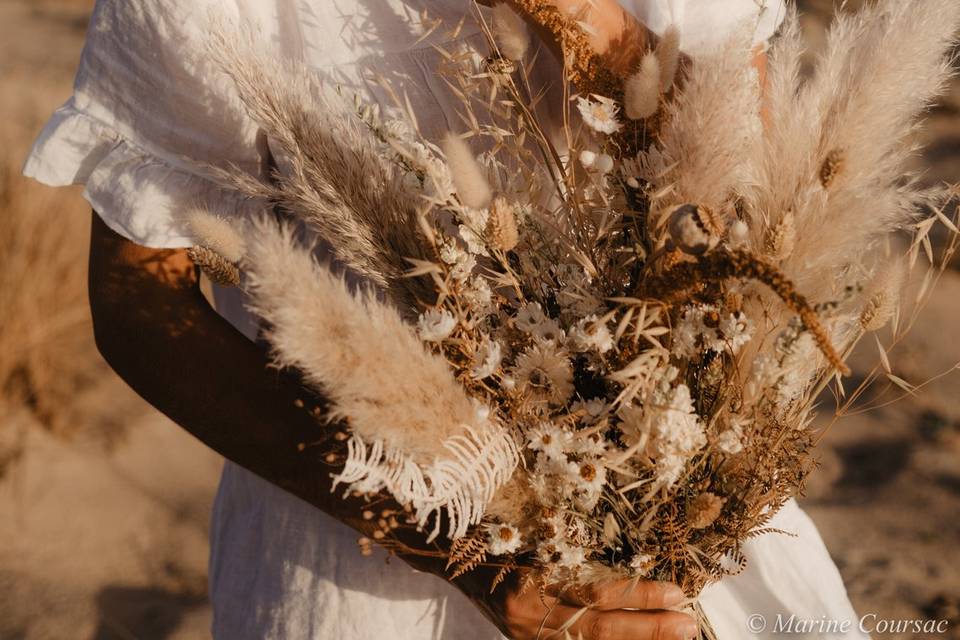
(693, 229)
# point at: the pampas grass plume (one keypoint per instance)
(218, 234)
(510, 32)
(884, 295)
(354, 347)
(468, 176)
(642, 89)
(668, 54)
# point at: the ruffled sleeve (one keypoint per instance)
(705, 24)
(147, 118)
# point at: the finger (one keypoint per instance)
(632, 593)
(622, 625)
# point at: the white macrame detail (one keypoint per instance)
(461, 484)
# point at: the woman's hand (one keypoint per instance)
(620, 610)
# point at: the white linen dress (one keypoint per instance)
(148, 112)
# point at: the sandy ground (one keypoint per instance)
(103, 526)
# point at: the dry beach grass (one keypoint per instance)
(97, 541)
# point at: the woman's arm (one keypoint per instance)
(154, 327)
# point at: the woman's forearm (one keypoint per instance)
(154, 327)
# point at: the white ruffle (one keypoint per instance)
(138, 194)
(705, 24)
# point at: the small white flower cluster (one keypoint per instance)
(568, 476)
(703, 328)
(667, 428)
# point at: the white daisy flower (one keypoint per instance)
(641, 564)
(588, 334)
(544, 372)
(479, 295)
(487, 359)
(529, 317)
(549, 330)
(551, 440)
(570, 556)
(599, 113)
(436, 325)
(502, 539)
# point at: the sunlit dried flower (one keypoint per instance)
(218, 233)
(729, 442)
(529, 317)
(551, 440)
(588, 158)
(590, 334)
(487, 359)
(599, 113)
(436, 325)
(502, 539)
(544, 372)
(704, 510)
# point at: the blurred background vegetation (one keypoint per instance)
(104, 504)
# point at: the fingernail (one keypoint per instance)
(688, 630)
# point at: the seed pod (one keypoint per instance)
(501, 229)
(216, 267)
(832, 167)
(693, 229)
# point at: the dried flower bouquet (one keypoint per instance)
(598, 357)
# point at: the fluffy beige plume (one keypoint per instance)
(335, 177)
(510, 32)
(217, 233)
(712, 124)
(668, 53)
(468, 176)
(838, 144)
(415, 431)
(641, 91)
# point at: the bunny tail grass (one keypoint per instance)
(415, 431)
